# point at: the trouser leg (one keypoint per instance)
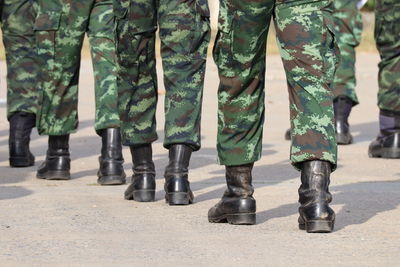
(185, 35)
(348, 28)
(102, 46)
(18, 17)
(308, 52)
(239, 53)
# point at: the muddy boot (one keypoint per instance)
(177, 186)
(387, 144)
(315, 214)
(237, 205)
(21, 124)
(143, 186)
(111, 171)
(58, 163)
(342, 107)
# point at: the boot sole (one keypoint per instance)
(178, 198)
(387, 153)
(55, 175)
(236, 219)
(317, 226)
(111, 180)
(21, 162)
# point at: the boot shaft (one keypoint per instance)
(315, 180)
(342, 106)
(239, 181)
(21, 124)
(179, 159)
(142, 159)
(111, 144)
(58, 145)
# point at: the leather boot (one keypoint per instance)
(143, 186)
(111, 171)
(177, 186)
(342, 107)
(237, 205)
(387, 144)
(21, 124)
(315, 214)
(58, 163)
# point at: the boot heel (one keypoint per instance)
(242, 219)
(144, 195)
(21, 162)
(178, 198)
(319, 226)
(55, 175)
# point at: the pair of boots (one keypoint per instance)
(177, 186)
(58, 162)
(238, 206)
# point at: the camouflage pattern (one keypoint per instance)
(17, 20)
(348, 27)
(185, 33)
(306, 40)
(60, 29)
(387, 36)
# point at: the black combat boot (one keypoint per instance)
(143, 186)
(387, 144)
(21, 124)
(315, 214)
(58, 163)
(111, 171)
(237, 205)
(177, 187)
(342, 107)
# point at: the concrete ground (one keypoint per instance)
(78, 223)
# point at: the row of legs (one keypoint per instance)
(237, 205)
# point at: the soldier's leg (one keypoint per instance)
(17, 19)
(102, 46)
(60, 27)
(239, 53)
(387, 32)
(137, 90)
(185, 35)
(306, 39)
(348, 29)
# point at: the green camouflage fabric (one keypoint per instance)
(348, 26)
(184, 31)
(306, 39)
(60, 29)
(17, 20)
(387, 36)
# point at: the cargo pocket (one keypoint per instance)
(202, 30)
(222, 51)
(331, 53)
(46, 26)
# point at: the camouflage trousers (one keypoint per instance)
(387, 36)
(184, 31)
(348, 27)
(60, 29)
(17, 18)
(306, 39)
